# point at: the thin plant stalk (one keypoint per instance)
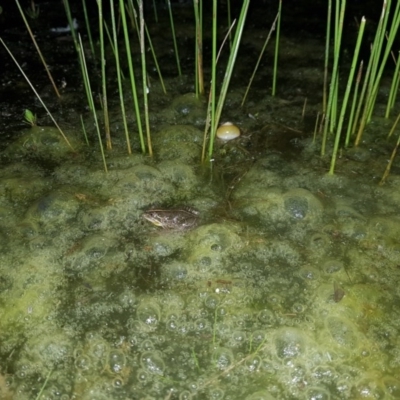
(229, 15)
(37, 95)
(228, 74)
(259, 59)
(394, 126)
(326, 63)
(213, 83)
(316, 126)
(92, 107)
(393, 88)
(370, 102)
(332, 99)
(44, 385)
(199, 76)
(353, 106)
(144, 78)
(171, 18)
(346, 95)
(153, 53)
(392, 157)
(103, 77)
(77, 48)
(132, 74)
(278, 32)
(119, 77)
(38, 50)
(155, 11)
(88, 30)
(84, 130)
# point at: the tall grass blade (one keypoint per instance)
(104, 77)
(171, 18)
(92, 107)
(144, 78)
(259, 59)
(119, 77)
(346, 95)
(228, 74)
(278, 33)
(131, 73)
(38, 50)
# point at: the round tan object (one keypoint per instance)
(228, 131)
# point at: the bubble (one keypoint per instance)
(261, 395)
(147, 345)
(266, 317)
(116, 361)
(118, 382)
(223, 358)
(392, 386)
(317, 393)
(83, 363)
(216, 394)
(253, 363)
(257, 338)
(211, 301)
(308, 273)
(200, 324)
(289, 343)
(332, 266)
(148, 313)
(239, 337)
(142, 375)
(152, 362)
(342, 331)
(185, 395)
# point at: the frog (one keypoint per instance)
(173, 219)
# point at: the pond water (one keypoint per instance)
(286, 286)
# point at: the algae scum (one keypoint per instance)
(287, 287)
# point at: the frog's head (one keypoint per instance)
(154, 217)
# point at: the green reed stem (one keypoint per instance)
(133, 16)
(91, 105)
(88, 30)
(394, 126)
(390, 163)
(229, 16)
(370, 101)
(330, 120)
(326, 63)
(38, 50)
(393, 88)
(228, 74)
(155, 10)
(259, 59)
(346, 95)
(119, 77)
(211, 103)
(44, 385)
(199, 76)
(104, 77)
(278, 34)
(144, 78)
(37, 94)
(171, 18)
(353, 105)
(77, 48)
(132, 73)
(84, 130)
